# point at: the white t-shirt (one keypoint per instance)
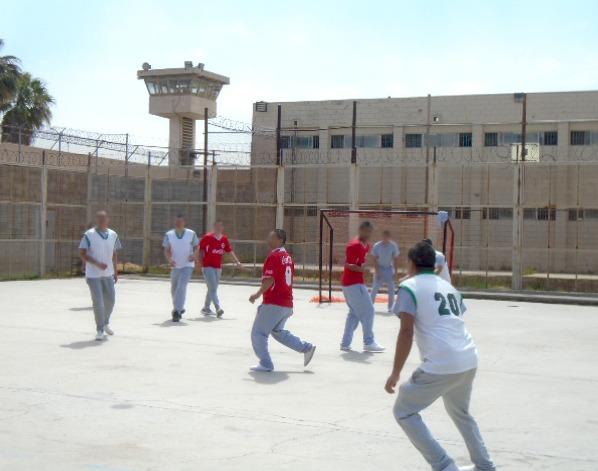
(181, 246)
(100, 246)
(442, 263)
(445, 344)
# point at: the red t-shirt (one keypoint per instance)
(279, 265)
(212, 249)
(356, 254)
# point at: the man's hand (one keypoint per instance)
(239, 265)
(253, 297)
(192, 258)
(102, 266)
(115, 277)
(391, 383)
(172, 262)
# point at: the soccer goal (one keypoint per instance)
(338, 226)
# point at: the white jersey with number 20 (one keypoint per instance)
(445, 344)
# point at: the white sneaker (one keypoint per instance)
(467, 468)
(259, 367)
(346, 349)
(100, 335)
(206, 311)
(375, 348)
(108, 330)
(308, 355)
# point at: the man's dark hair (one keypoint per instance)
(386, 232)
(281, 234)
(428, 241)
(422, 255)
(180, 216)
(366, 225)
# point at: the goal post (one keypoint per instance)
(338, 226)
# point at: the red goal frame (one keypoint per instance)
(448, 238)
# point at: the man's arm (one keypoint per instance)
(115, 265)
(236, 259)
(89, 259)
(168, 255)
(265, 286)
(404, 344)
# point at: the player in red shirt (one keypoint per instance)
(361, 309)
(277, 306)
(212, 248)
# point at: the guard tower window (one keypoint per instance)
(550, 138)
(580, 138)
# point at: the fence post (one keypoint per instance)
(210, 207)
(517, 275)
(353, 198)
(43, 216)
(147, 215)
(88, 214)
(280, 197)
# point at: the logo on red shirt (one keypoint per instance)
(279, 265)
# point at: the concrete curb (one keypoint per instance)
(494, 295)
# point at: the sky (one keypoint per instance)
(88, 52)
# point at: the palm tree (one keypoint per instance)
(28, 111)
(9, 74)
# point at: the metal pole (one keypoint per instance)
(43, 216)
(127, 155)
(278, 124)
(353, 126)
(523, 127)
(205, 169)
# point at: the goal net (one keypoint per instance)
(338, 227)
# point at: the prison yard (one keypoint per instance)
(160, 395)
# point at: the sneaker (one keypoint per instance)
(181, 312)
(451, 467)
(206, 311)
(346, 348)
(308, 355)
(374, 348)
(468, 468)
(259, 367)
(100, 336)
(219, 312)
(108, 330)
(176, 316)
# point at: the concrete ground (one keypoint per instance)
(162, 396)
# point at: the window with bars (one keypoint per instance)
(462, 213)
(337, 142)
(575, 214)
(413, 141)
(386, 141)
(491, 139)
(580, 138)
(497, 213)
(540, 214)
(465, 139)
(550, 138)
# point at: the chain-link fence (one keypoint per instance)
(48, 198)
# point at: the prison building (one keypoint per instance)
(454, 153)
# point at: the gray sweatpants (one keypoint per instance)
(103, 297)
(384, 276)
(455, 389)
(179, 279)
(361, 310)
(212, 277)
(270, 320)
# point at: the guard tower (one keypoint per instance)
(182, 95)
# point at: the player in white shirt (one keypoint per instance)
(98, 250)
(180, 248)
(432, 309)
(441, 265)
